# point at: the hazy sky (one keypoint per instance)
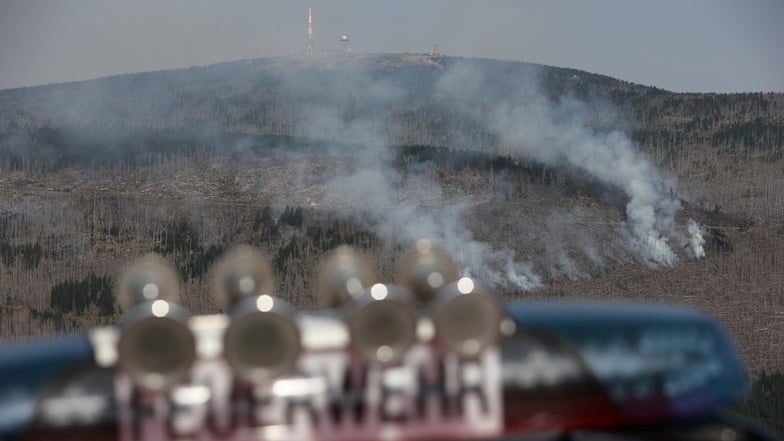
(680, 45)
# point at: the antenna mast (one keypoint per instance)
(309, 50)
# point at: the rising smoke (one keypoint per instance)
(404, 209)
(483, 105)
(696, 239)
(564, 132)
(399, 207)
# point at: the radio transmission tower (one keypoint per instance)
(309, 49)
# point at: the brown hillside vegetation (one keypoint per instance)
(187, 163)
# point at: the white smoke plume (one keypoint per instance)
(404, 209)
(696, 239)
(400, 208)
(562, 133)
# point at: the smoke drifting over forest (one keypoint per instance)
(533, 176)
(561, 133)
(513, 109)
(358, 111)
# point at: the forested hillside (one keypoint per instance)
(298, 154)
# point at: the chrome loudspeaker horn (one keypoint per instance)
(156, 347)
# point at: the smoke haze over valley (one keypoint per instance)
(544, 182)
(296, 127)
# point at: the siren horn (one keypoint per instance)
(262, 341)
(344, 276)
(382, 323)
(467, 317)
(156, 347)
(426, 269)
